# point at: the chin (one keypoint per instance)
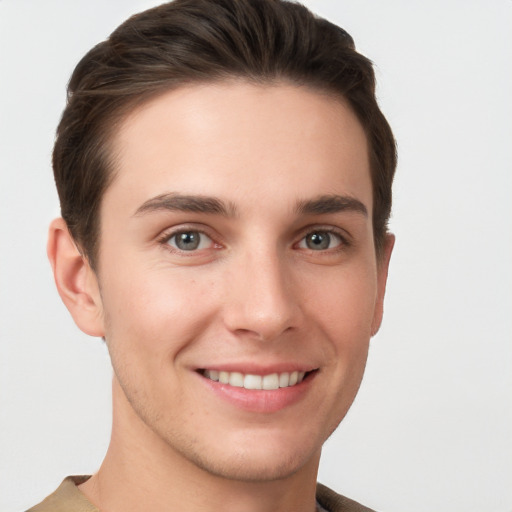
(258, 467)
(253, 456)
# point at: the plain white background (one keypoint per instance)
(431, 427)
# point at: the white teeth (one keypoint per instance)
(213, 374)
(270, 381)
(249, 381)
(252, 382)
(236, 379)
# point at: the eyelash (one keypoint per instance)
(344, 242)
(168, 236)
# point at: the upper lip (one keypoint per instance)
(258, 369)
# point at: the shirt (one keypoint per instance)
(69, 498)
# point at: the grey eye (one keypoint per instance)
(320, 241)
(190, 241)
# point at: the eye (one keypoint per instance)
(189, 241)
(320, 241)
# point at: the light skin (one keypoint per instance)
(236, 237)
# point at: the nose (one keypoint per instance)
(261, 300)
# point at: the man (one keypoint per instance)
(225, 174)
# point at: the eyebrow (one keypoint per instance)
(212, 205)
(187, 203)
(331, 204)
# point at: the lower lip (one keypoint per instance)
(260, 401)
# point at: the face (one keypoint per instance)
(238, 278)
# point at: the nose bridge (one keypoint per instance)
(262, 300)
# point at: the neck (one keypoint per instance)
(143, 472)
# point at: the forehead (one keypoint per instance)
(234, 138)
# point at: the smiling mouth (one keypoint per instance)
(268, 382)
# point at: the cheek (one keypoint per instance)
(345, 317)
(345, 306)
(155, 312)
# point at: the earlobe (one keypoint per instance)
(382, 277)
(75, 280)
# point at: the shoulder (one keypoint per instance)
(334, 502)
(67, 498)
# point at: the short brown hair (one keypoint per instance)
(191, 41)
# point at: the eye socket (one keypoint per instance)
(189, 241)
(320, 241)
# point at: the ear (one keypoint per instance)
(75, 280)
(382, 277)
